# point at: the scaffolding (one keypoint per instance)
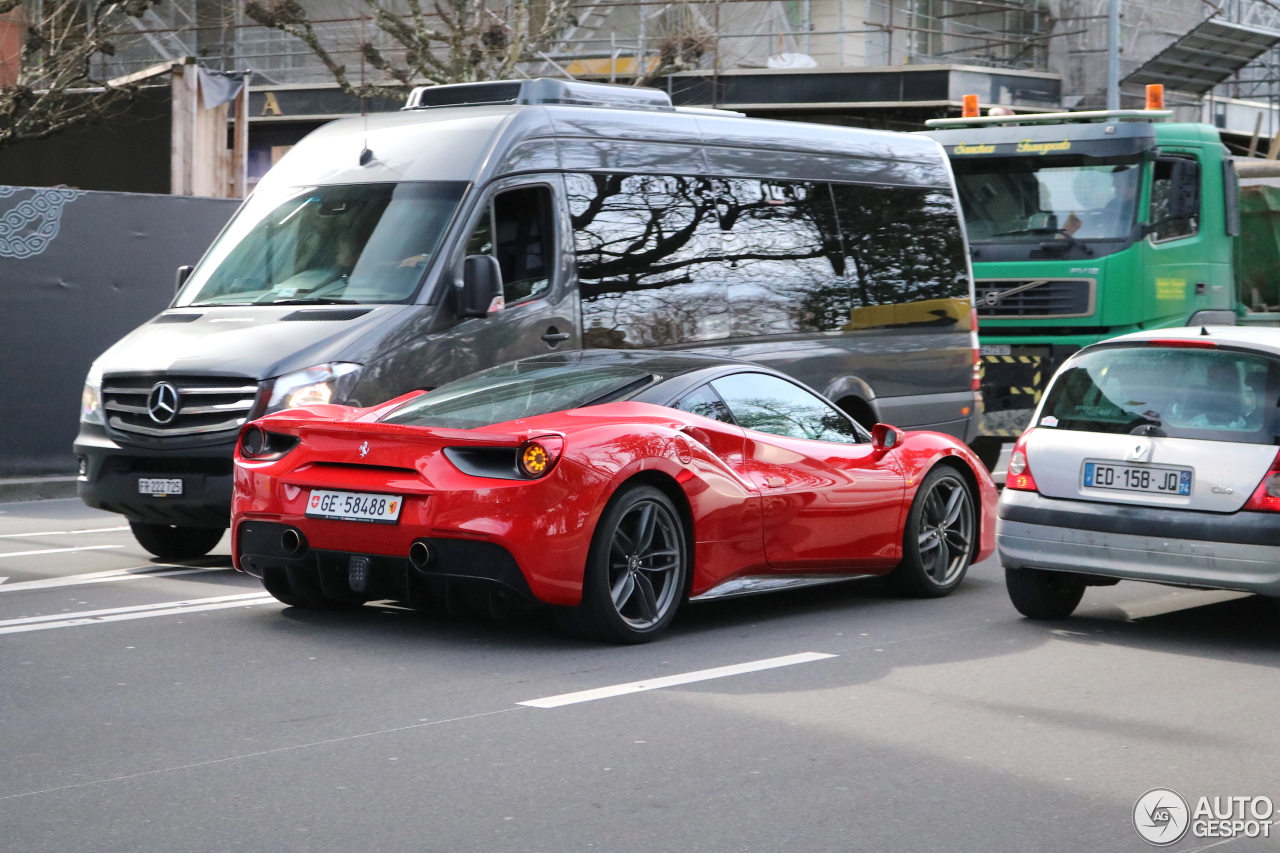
(999, 33)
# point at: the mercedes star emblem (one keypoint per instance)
(162, 403)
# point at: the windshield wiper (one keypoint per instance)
(313, 300)
(1071, 241)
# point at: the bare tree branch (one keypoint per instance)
(447, 41)
(56, 88)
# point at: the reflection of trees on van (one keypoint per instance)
(650, 261)
(667, 259)
(904, 245)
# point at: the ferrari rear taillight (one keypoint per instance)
(538, 456)
(1266, 498)
(1019, 476)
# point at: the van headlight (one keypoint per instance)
(91, 402)
(313, 386)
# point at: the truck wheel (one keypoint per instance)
(1039, 594)
(636, 571)
(939, 538)
(171, 542)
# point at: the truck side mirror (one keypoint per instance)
(184, 273)
(481, 291)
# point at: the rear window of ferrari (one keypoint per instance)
(1215, 394)
(515, 391)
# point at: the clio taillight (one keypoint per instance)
(1019, 476)
(1266, 498)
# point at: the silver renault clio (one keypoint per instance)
(1152, 457)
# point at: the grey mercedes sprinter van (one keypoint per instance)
(492, 221)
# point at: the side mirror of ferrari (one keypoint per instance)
(885, 437)
(481, 291)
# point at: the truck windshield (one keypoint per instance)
(1027, 199)
(349, 243)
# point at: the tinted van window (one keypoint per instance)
(784, 259)
(906, 264)
(1184, 393)
(517, 230)
(650, 263)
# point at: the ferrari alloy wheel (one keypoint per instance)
(636, 569)
(171, 542)
(1040, 594)
(940, 537)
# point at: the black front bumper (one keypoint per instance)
(459, 567)
(110, 472)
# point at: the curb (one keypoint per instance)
(37, 488)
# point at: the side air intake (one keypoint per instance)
(543, 90)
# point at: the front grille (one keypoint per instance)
(205, 404)
(1068, 297)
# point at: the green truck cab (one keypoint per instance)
(1084, 226)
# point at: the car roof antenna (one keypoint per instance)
(1203, 331)
(366, 154)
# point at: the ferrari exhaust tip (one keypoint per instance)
(421, 555)
(292, 542)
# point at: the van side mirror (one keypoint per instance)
(481, 292)
(885, 437)
(184, 273)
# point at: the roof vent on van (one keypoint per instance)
(543, 90)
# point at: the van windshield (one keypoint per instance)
(1210, 394)
(348, 243)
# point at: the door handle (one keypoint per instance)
(554, 336)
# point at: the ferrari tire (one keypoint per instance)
(171, 542)
(939, 539)
(297, 590)
(637, 570)
(1040, 594)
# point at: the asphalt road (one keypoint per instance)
(153, 710)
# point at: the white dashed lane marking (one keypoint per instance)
(136, 573)
(40, 533)
(673, 680)
(57, 550)
(120, 614)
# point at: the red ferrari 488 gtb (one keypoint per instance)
(612, 485)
